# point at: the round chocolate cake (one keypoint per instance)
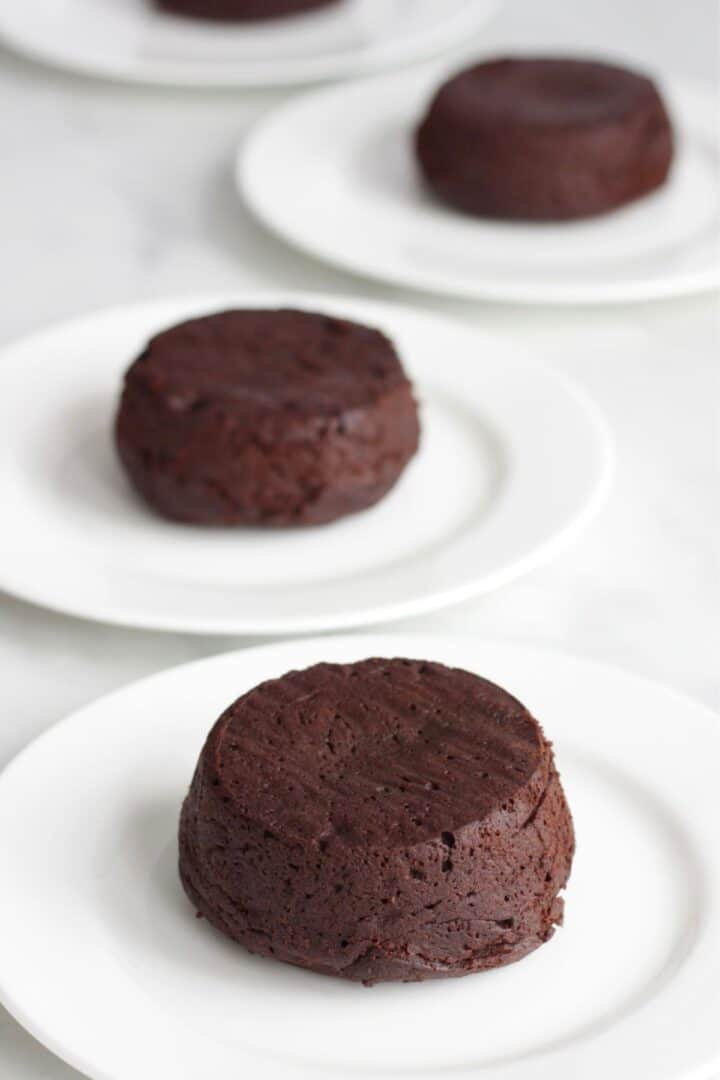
(266, 418)
(240, 10)
(382, 820)
(544, 139)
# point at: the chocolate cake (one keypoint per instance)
(266, 418)
(544, 139)
(240, 10)
(382, 820)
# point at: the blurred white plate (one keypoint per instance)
(334, 173)
(104, 961)
(513, 463)
(127, 39)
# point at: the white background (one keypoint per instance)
(112, 194)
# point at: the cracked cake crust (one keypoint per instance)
(384, 820)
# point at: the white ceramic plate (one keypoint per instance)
(334, 173)
(513, 464)
(127, 39)
(104, 961)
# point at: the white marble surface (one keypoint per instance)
(112, 194)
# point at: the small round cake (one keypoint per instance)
(544, 140)
(387, 820)
(266, 418)
(240, 10)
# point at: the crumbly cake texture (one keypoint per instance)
(271, 418)
(383, 820)
(544, 139)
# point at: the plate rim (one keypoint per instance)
(517, 650)
(537, 293)
(598, 428)
(178, 75)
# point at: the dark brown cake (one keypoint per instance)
(266, 418)
(382, 820)
(544, 139)
(240, 10)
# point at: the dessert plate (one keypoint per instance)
(334, 173)
(513, 463)
(104, 961)
(127, 39)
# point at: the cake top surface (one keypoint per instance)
(545, 91)
(257, 360)
(380, 752)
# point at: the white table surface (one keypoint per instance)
(112, 194)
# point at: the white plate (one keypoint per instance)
(104, 961)
(127, 39)
(513, 464)
(334, 173)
